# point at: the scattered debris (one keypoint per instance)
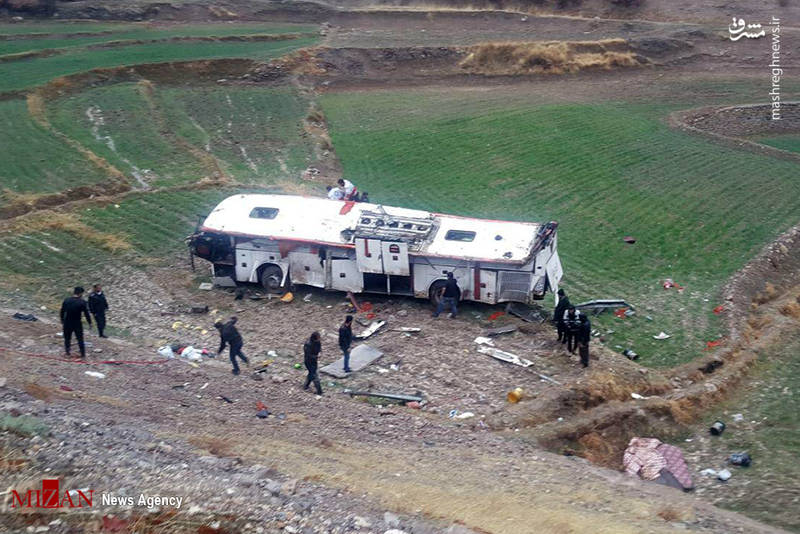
(719, 309)
(740, 458)
(166, 351)
(25, 317)
(529, 314)
(621, 313)
(717, 428)
(515, 395)
(480, 340)
(414, 404)
(629, 239)
(507, 329)
(94, 374)
(206, 286)
(495, 315)
(600, 305)
(711, 366)
(662, 335)
(307, 298)
(724, 475)
(713, 344)
(464, 415)
(374, 327)
(709, 472)
(360, 357)
(650, 459)
(628, 353)
(738, 418)
(670, 283)
(262, 414)
(403, 398)
(288, 297)
(504, 356)
(407, 329)
(226, 399)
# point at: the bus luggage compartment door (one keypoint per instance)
(345, 276)
(368, 255)
(395, 258)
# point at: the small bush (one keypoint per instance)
(24, 425)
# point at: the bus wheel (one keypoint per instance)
(434, 291)
(271, 278)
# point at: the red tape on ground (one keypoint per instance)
(107, 362)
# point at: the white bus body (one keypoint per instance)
(275, 240)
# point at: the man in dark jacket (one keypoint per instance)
(584, 335)
(448, 296)
(71, 310)
(311, 350)
(571, 328)
(98, 306)
(228, 334)
(558, 315)
(345, 340)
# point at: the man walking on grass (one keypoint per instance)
(230, 335)
(98, 306)
(71, 310)
(345, 340)
(311, 350)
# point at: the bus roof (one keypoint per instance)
(337, 222)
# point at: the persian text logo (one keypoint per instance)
(50, 497)
(776, 70)
(738, 27)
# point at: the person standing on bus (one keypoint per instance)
(71, 310)
(448, 296)
(311, 350)
(345, 340)
(350, 191)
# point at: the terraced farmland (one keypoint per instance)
(603, 171)
(27, 160)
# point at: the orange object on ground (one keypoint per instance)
(719, 309)
(371, 316)
(495, 315)
(713, 344)
(367, 306)
(260, 406)
(621, 313)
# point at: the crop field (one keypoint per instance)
(784, 142)
(604, 171)
(26, 160)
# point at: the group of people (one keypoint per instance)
(312, 348)
(573, 327)
(345, 190)
(71, 310)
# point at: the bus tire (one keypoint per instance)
(436, 288)
(271, 277)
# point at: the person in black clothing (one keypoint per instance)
(311, 350)
(345, 340)
(571, 328)
(71, 310)
(558, 315)
(448, 296)
(584, 335)
(228, 334)
(98, 306)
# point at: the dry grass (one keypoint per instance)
(214, 445)
(42, 222)
(770, 293)
(556, 57)
(673, 513)
(792, 309)
(38, 392)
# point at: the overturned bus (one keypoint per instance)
(278, 240)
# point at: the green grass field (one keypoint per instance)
(29, 152)
(784, 142)
(770, 405)
(111, 33)
(256, 133)
(18, 75)
(604, 171)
